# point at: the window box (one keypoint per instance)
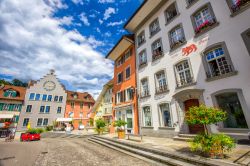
(157, 54)
(177, 44)
(205, 25)
(187, 82)
(238, 6)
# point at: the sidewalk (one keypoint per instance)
(170, 145)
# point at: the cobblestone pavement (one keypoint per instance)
(63, 152)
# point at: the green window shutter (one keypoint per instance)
(1, 106)
(11, 106)
(16, 119)
(6, 94)
(14, 94)
(20, 107)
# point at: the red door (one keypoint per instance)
(193, 129)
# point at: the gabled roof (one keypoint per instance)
(121, 46)
(81, 97)
(21, 92)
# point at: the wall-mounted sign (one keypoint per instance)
(189, 49)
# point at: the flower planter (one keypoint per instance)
(121, 134)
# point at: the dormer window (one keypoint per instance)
(10, 93)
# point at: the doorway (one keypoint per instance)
(193, 129)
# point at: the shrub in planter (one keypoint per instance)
(100, 126)
(120, 124)
(49, 128)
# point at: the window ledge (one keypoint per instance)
(143, 97)
(191, 4)
(172, 19)
(158, 57)
(147, 127)
(153, 34)
(242, 9)
(186, 85)
(162, 92)
(207, 29)
(143, 65)
(222, 76)
(178, 46)
(166, 128)
(138, 46)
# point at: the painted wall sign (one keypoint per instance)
(189, 49)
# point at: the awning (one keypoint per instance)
(6, 116)
(64, 119)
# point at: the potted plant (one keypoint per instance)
(120, 124)
(100, 126)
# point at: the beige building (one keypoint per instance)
(191, 52)
(45, 101)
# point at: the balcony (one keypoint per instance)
(161, 89)
(145, 93)
(239, 5)
(185, 82)
(157, 54)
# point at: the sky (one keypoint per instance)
(70, 36)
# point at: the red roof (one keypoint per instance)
(82, 97)
(20, 92)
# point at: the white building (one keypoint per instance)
(191, 52)
(44, 102)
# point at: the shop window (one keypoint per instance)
(165, 115)
(147, 117)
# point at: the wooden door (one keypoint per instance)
(193, 129)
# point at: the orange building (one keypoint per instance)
(78, 106)
(124, 90)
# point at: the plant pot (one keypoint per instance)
(121, 134)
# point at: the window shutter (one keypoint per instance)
(121, 76)
(121, 96)
(115, 98)
(124, 95)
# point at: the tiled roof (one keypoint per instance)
(83, 97)
(21, 92)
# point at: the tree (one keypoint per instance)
(18, 82)
(100, 125)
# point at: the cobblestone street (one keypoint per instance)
(59, 152)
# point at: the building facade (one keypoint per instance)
(11, 102)
(124, 96)
(77, 107)
(45, 101)
(192, 52)
(103, 105)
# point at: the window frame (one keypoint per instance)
(246, 38)
(40, 124)
(27, 121)
(44, 121)
(157, 86)
(128, 67)
(239, 10)
(156, 56)
(47, 109)
(143, 116)
(59, 109)
(152, 33)
(166, 11)
(142, 64)
(147, 92)
(49, 98)
(191, 4)
(120, 73)
(33, 96)
(142, 33)
(176, 45)
(161, 114)
(28, 108)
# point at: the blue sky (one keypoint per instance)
(70, 36)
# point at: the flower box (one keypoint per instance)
(204, 25)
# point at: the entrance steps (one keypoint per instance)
(184, 137)
(154, 155)
(62, 135)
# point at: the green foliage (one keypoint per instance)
(215, 144)
(35, 130)
(49, 128)
(204, 115)
(100, 126)
(120, 123)
(17, 82)
(91, 122)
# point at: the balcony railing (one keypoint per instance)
(205, 25)
(157, 54)
(177, 43)
(185, 82)
(161, 89)
(145, 93)
(217, 72)
(239, 4)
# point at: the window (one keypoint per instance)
(238, 5)
(28, 108)
(56, 98)
(129, 94)
(118, 97)
(147, 119)
(142, 58)
(141, 38)
(154, 27)
(217, 62)
(203, 19)
(144, 88)
(171, 12)
(177, 37)
(89, 105)
(72, 104)
(59, 110)
(42, 109)
(161, 83)
(47, 109)
(129, 120)
(71, 114)
(230, 103)
(44, 97)
(190, 2)
(45, 121)
(75, 96)
(165, 115)
(25, 121)
(81, 115)
(246, 38)
(32, 96)
(120, 61)
(183, 74)
(119, 77)
(37, 97)
(60, 98)
(49, 97)
(39, 121)
(10, 93)
(157, 49)
(127, 54)
(127, 72)
(81, 105)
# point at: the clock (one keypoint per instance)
(49, 85)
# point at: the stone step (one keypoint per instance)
(178, 138)
(149, 155)
(172, 155)
(187, 135)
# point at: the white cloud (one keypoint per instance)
(56, 4)
(106, 1)
(100, 21)
(108, 13)
(84, 19)
(98, 30)
(92, 15)
(115, 23)
(66, 20)
(107, 34)
(81, 2)
(36, 43)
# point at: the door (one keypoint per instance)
(193, 129)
